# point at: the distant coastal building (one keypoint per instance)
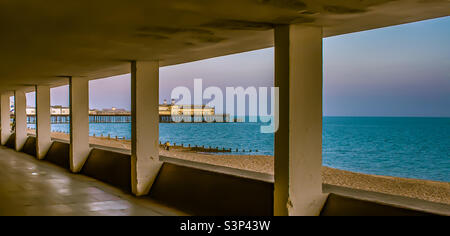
(185, 110)
(193, 110)
(61, 111)
(111, 111)
(31, 111)
(58, 110)
(54, 111)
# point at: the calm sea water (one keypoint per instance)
(403, 147)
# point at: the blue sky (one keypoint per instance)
(396, 71)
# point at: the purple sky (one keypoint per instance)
(396, 71)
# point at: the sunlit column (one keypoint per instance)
(145, 125)
(79, 122)
(20, 107)
(43, 128)
(5, 118)
(298, 142)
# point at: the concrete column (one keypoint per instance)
(79, 122)
(43, 127)
(145, 163)
(5, 118)
(298, 142)
(20, 107)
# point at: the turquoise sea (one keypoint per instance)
(402, 147)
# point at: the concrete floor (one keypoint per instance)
(29, 187)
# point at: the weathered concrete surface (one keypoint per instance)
(145, 164)
(4, 118)
(79, 122)
(20, 105)
(43, 126)
(97, 38)
(298, 141)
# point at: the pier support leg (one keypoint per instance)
(145, 163)
(79, 122)
(298, 142)
(5, 118)
(20, 107)
(43, 127)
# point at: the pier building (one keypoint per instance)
(167, 114)
(54, 43)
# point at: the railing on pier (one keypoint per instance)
(194, 118)
(126, 118)
(109, 118)
(65, 119)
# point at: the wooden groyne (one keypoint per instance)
(205, 149)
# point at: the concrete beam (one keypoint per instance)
(145, 163)
(43, 126)
(200, 30)
(20, 108)
(5, 118)
(79, 122)
(298, 142)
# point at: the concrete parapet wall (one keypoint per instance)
(11, 143)
(30, 146)
(338, 205)
(110, 167)
(59, 154)
(208, 193)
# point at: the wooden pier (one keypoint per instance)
(126, 118)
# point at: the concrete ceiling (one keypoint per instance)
(40, 41)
